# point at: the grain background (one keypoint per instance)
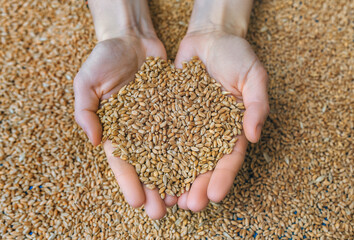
(296, 183)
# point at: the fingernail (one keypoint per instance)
(89, 137)
(259, 130)
(86, 134)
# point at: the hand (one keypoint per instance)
(111, 65)
(230, 60)
(126, 37)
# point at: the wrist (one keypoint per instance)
(229, 16)
(117, 18)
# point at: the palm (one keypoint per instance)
(228, 58)
(231, 61)
(111, 65)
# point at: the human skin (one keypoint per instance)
(125, 38)
(216, 34)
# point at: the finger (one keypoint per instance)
(255, 98)
(155, 49)
(197, 197)
(86, 105)
(225, 171)
(185, 53)
(182, 201)
(170, 200)
(127, 178)
(154, 206)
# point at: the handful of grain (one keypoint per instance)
(171, 124)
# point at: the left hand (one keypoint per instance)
(230, 60)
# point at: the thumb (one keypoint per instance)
(185, 52)
(86, 105)
(255, 99)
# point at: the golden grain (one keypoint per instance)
(308, 133)
(139, 132)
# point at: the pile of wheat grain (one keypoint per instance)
(296, 183)
(171, 124)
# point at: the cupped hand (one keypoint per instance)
(110, 66)
(230, 60)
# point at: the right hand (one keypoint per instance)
(230, 60)
(111, 65)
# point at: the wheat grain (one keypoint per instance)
(174, 111)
